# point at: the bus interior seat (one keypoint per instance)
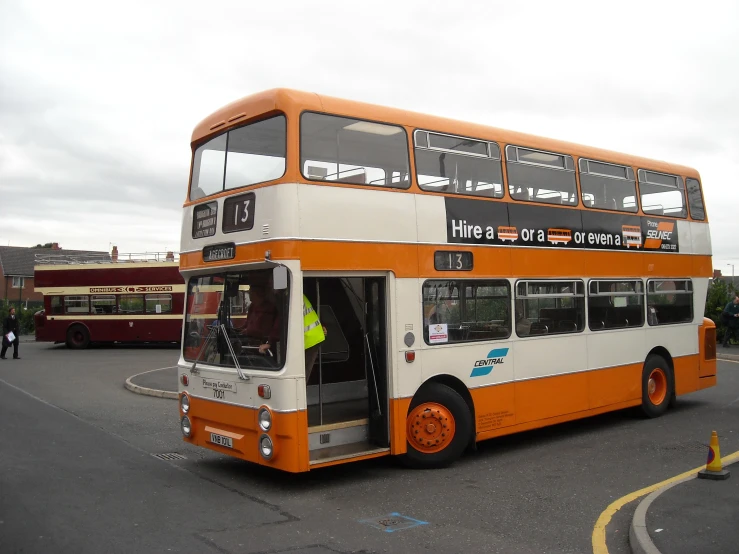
(358, 179)
(654, 210)
(316, 173)
(522, 194)
(567, 326)
(538, 328)
(587, 202)
(612, 204)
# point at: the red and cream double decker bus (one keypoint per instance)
(474, 282)
(124, 298)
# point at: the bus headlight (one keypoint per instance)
(186, 426)
(185, 403)
(266, 448)
(265, 419)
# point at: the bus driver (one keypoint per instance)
(263, 323)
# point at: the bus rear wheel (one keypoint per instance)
(78, 337)
(658, 386)
(438, 427)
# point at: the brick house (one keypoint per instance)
(16, 271)
(728, 279)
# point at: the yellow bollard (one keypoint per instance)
(714, 469)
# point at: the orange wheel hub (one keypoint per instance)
(657, 386)
(430, 427)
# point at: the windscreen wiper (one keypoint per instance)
(210, 337)
(243, 376)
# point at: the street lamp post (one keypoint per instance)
(733, 285)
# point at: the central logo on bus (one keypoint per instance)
(485, 367)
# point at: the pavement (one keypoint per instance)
(160, 382)
(694, 515)
(730, 353)
(691, 515)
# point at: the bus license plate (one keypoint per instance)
(221, 440)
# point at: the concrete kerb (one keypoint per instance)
(639, 539)
(147, 391)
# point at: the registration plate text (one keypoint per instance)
(221, 440)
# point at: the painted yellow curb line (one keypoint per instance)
(599, 531)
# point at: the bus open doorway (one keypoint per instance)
(348, 386)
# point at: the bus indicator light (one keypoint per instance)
(185, 379)
(410, 356)
(264, 392)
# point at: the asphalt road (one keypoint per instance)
(78, 473)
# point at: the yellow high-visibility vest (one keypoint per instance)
(312, 330)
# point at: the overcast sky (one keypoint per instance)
(98, 103)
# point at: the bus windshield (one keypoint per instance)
(247, 155)
(236, 317)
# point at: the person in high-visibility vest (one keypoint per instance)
(313, 334)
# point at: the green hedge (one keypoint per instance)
(720, 293)
(25, 317)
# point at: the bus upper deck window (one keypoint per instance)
(607, 186)
(461, 165)
(662, 194)
(539, 176)
(250, 154)
(346, 150)
(695, 200)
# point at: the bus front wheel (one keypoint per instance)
(438, 427)
(78, 337)
(658, 386)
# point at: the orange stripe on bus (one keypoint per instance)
(410, 260)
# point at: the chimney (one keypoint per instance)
(170, 256)
(55, 246)
(114, 254)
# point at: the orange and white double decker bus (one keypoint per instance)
(440, 331)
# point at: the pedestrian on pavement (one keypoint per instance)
(11, 329)
(730, 316)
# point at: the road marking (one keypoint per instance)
(725, 360)
(599, 531)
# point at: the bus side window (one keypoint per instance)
(56, 305)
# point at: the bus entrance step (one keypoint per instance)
(337, 434)
(345, 451)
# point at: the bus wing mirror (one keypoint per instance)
(279, 277)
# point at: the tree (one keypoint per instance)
(719, 294)
(47, 245)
